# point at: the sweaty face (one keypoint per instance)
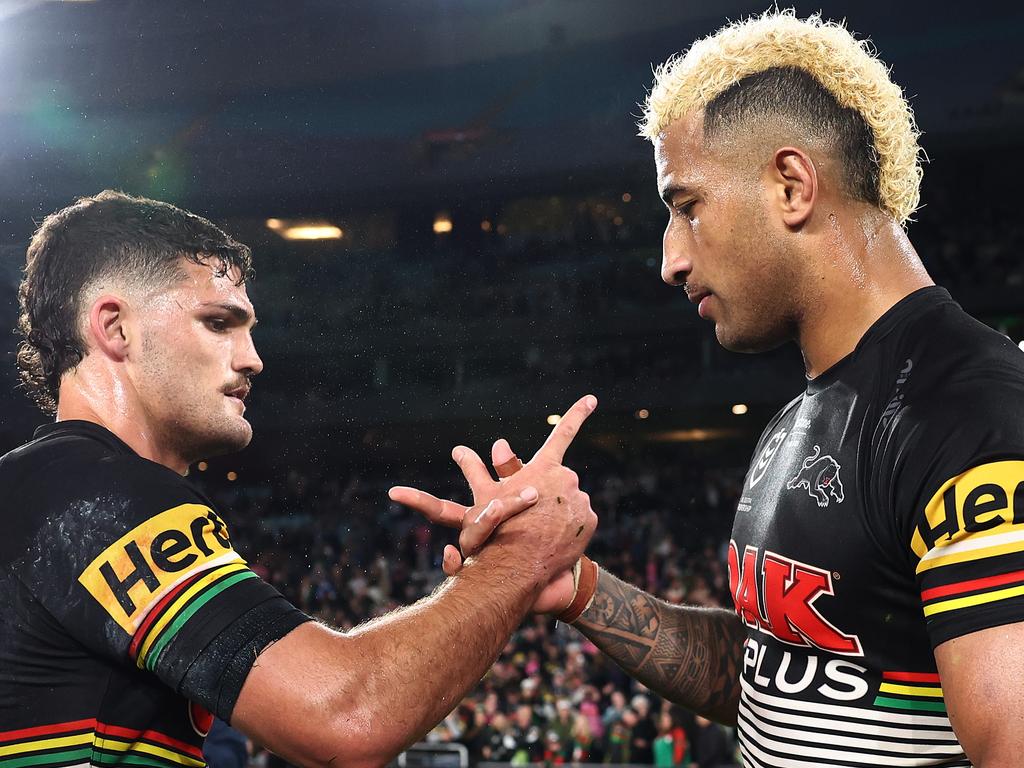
(721, 242)
(197, 356)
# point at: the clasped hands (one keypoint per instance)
(551, 536)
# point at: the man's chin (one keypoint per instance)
(747, 343)
(226, 442)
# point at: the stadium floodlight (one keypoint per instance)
(293, 229)
(442, 224)
(739, 409)
(553, 419)
(312, 232)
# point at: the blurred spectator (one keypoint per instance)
(670, 748)
(711, 748)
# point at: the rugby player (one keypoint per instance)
(877, 555)
(128, 617)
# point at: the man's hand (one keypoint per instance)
(475, 530)
(560, 590)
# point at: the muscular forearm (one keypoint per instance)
(689, 655)
(422, 660)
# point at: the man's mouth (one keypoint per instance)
(239, 393)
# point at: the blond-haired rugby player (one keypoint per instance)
(877, 555)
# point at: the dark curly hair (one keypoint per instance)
(108, 235)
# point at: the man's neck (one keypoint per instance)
(859, 284)
(88, 401)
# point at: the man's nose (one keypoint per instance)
(675, 266)
(247, 359)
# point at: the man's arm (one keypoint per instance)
(320, 697)
(689, 655)
(981, 674)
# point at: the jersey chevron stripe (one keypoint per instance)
(937, 721)
(96, 744)
(912, 677)
(120, 747)
(143, 631)
(929, 706)
(54, 743)
(228, 557)
(50, 758)
(845, 726)
(757, 739)
(981, 599)
(133, 734)
(43, 730)
(202, 599)
(910, 690)
(875, 747)
(959, 587)
(974, 548)
(181, 603)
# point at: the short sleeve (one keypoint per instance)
(953, 472)
(138, 567)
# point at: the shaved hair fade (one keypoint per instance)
(816, 76)
(110, 236)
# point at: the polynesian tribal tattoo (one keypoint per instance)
(689, 655)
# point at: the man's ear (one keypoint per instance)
(110, 330)
(795, 181)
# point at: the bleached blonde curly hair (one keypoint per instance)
(845, 67)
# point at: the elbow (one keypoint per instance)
(349, 737)
(358, 738)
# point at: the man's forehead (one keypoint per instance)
(208, 285)
(679, 152)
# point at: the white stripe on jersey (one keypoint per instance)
(866, 729)
(755, 758)
(826, 734)
(934, 721)
(755, 741)
(971, 544)
(836, 740)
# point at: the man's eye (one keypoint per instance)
(216, 324)
(686, 209)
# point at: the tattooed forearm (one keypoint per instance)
(689, 655)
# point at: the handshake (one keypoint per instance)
(534, 515)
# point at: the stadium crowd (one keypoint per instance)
(340, 550)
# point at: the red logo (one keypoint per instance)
(787, 589)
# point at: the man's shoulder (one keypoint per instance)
(66, 454)
(79, 473)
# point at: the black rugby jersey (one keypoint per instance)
(883, 514)
(127, 616)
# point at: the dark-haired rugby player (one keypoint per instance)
(127, 615)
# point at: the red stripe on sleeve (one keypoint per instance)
(969, 586)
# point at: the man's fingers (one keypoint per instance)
(451, 560)
(503, 459)
(566, 429)
(440, 511)
(476, 530)
(473, 469)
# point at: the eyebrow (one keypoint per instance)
(676, 189)
(239, 313)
